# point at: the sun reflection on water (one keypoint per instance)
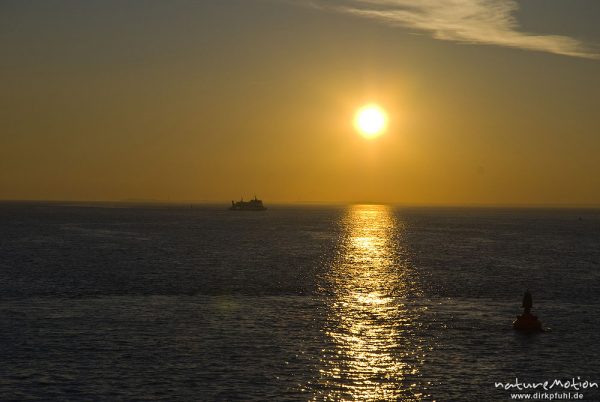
(374, 354)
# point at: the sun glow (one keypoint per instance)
(370, 121)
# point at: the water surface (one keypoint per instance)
(365, 302)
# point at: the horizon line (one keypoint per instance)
(549, 205)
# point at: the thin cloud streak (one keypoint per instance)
(490, 22)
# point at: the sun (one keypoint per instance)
(370, 121)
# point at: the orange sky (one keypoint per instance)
(206, 102)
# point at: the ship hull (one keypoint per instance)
(252, 205)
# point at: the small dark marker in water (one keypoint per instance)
(527, 322)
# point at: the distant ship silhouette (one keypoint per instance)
(252, 205)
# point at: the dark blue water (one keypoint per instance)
(117, 302)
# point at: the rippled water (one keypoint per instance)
(365, 302)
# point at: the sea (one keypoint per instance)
(297, 303)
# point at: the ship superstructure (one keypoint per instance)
(252, 205)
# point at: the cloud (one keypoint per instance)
(490, 22)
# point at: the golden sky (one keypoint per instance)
(488, 102)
